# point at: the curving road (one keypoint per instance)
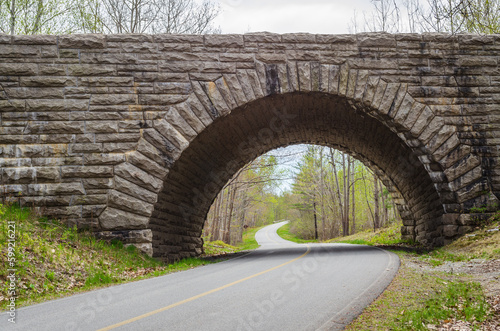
(280, 286)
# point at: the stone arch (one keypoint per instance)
(422, 132)
(176, 218)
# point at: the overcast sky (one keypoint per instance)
(286, 16)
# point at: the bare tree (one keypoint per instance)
(146, 16)
(385, 16)
(34, 16)
(107, 16)
(453, 16)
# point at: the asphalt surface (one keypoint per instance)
(280, 286)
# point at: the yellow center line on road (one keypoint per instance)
(201, 295)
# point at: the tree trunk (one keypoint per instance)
(227, 238)
(315, 221)
(353, 181)
(339, 197)
(385, 219)
(322, 195)
(376, 218)
(347, 174)
(12, 17)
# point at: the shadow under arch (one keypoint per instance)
(278, 120)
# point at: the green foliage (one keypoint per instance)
(463, 301)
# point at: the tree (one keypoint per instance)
(146, 16)
(34, 16)
(453, 16)
(107, 16)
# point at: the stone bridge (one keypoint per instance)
(133, 136)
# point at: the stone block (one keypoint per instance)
(134, 190)
(129, 203)
(24, 175)
(473, 219)
(57, 189)
(145, 163)
(118, 147)
(178, 38)
(97, 183)
(450, 230)
(91, 70)
(18, 69)
(86, 171)
(174, 136)
(450, 219)
(112, 137)
(57, 127)
(82, 41)
(57, 105)
(86, 148)
(138, 176)
(19, 51)
(224, 40)
(115, 219)
(376, 40)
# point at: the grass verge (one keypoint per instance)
(424, 297)
(249, 241)
(386, 236)
(44, 259)
(284, 232)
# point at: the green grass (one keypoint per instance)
(415, 300)
(218, 247)
(463, 301)
(386, 236)
(407, 292)
(284, 232)
(52, 260)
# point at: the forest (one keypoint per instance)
(324, 193)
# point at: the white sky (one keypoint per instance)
(287, 16)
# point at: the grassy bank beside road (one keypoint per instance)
(456, 287)
(42, 259)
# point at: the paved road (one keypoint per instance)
(280, 286)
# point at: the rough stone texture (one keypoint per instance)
(134, 135)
